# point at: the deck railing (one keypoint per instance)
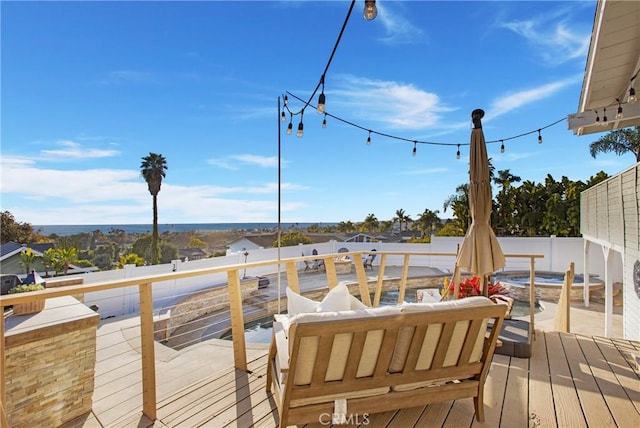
(144, 287)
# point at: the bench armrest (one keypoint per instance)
(282, 346)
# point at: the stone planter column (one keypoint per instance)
(50, 363)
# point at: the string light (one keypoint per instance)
(324, 121)
(539, 137)
(605, 121)
(632, 95)
(501, 146)
(321, 98)
(597, 117)
(290, 127)
(284, 117)
(370, 10)
(415, 149)
(458, 152)
(619, 114)
(286, 101)
(369, 139)
(300, 126)
(434, 143)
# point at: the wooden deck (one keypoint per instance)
(570, 381)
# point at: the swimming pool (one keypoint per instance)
(548, 284)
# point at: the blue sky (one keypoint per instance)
(89, 88)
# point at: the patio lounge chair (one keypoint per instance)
(356, 362)
(368, 261)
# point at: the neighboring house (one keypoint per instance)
(187, 254)
(266, 240)
(10, 256)
(396, 236)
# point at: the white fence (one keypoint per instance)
(558, 254)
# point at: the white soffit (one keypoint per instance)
(614, 59)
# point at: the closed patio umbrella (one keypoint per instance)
(480, 252)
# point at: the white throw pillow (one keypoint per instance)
(297, 304)
(337, 299)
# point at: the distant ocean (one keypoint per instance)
(72, 229)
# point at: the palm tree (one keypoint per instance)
(153, 169)
(370, 223)
(620, 141)
(402, 217)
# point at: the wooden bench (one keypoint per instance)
(381, 359)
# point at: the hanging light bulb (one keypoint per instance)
(370, 10)
(321, 100)
(458, 152)
(284, 117)
(324, 121)
(619, 114)
(300, 125)
(605, 121)
(501, 146)
(632, 95)
(415, 149)
(369, 139)
(597, 118)
(539, 137)
(290, 127)
(286, 100)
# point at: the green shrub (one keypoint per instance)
(25, 288)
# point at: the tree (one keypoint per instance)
(129, 259)
(346, 226)
(195, 242)
(370, 223)
(459, 204)
(153, 169)
(503, 220)
(401, 217)
(13, 231)
(27, 259)
(620, 141)
(428, 221)
(292, 238)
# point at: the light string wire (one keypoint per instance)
(326, 68)
(433, 143)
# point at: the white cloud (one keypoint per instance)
(105, 196)
(71, 151)
(509, 102)
(234, 162)
(424, 171)
(556, 42)
(399, 30)
(395, 105)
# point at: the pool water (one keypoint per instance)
(260, 329)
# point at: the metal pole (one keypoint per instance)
(279, 200)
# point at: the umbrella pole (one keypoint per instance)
(485, 285)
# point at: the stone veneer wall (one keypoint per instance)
(198, 305)
(50, 373)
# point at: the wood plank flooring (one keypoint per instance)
(570, 381)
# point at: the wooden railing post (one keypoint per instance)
(361, 275)
(403, 279)
(3, 393)
(532, 295)
(147, 344)
(383, 262)
(292, 276)
(330, 270)
(237, 321)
